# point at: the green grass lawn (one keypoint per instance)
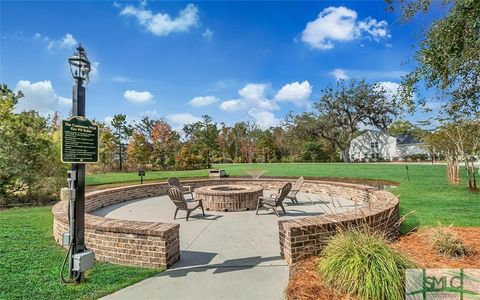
(432, 199)
(30, 262)
(96, 179)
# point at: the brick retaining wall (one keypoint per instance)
(157, 245)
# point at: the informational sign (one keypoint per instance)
(79, 141)
(141, 173)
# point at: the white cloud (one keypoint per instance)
(376, 30)
(137, 97)
(39, 96)
(339, 24)
(152, 114)
(94, 71)
(65, 102)
(339, 74)
(233, 105)
(208, 34)
(67, 42)
(179, 120)
(370, 74)
(254, 95)
(203, 101)
(295, 92)
(332, 24)
(264, 119)
(161, 24)
(108, 120)
(390, 88)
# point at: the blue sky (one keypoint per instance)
(252, 61)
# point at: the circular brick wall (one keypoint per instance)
(229, 197)
(157, 245)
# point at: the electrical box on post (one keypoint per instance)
(66, 239)
(83, 261)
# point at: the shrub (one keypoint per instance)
(447, 243)
(362, 264)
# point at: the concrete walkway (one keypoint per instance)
(224, 255)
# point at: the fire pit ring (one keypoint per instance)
(229, 197)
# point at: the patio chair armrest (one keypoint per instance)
(187, 188)
(196, 200)
(274, 195)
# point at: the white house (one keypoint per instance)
(375, 145)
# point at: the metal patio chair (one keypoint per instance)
(178, 198)
(275, 200)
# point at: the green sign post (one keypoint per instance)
(79, 141)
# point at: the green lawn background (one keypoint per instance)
(429, 196)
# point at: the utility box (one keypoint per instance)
(66, 239)
(83, 261)
(216, 173)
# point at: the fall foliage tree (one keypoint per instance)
(164, 143)
(138, 150)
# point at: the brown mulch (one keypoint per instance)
(418, 246)
(305, 284)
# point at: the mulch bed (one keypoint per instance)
(417, 245)
(305, 283)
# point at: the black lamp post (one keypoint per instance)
(80, 67)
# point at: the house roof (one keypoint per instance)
(407, 139)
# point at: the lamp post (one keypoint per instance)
(80, 67)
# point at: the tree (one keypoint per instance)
(404, 127)
(238, 135)
(145, 126)
(341, 112)
(223, 141)
(265, 147)
(203, 137)
(313, 152)
(138, 150)
(459, 141)
(121, 132)
(165, 142)
(186, 159)
(448, 58)
(30, 166)
(108, 148)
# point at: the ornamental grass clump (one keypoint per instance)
(360, 263)
(448, 244)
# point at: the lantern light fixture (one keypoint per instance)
(79, 64)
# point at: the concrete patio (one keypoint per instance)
(224, 255)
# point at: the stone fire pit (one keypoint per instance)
(229, 197)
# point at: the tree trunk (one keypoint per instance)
(469, 175)
(474, 179)
(120, 157)
(346, 155)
